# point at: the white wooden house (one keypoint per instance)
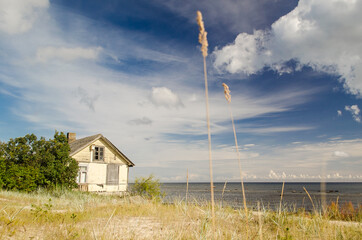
(102, 166)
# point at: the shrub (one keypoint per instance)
(27, 163)
(148, 187)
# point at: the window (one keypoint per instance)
(112, 174)
(98, 153)
(82, 174)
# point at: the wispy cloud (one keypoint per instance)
(228, 15)
(140, 121)
(85, 98)
(266, 130)
(249, 145)
(67, 54)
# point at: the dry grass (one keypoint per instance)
(75, 215)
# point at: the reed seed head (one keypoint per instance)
(202, 34)
(227, 92)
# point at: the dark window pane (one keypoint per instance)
(99, 153)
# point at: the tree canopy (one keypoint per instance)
(27, 163)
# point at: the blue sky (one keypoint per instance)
(132, 70)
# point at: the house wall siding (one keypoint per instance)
(123, 174)
(97, 173)
(83, 156)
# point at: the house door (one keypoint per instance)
(112, 174)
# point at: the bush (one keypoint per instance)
(345, 212)
(27, 163)
(148, 187)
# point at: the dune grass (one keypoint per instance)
(78, 215)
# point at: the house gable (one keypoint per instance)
(84, 150)
(109, 155)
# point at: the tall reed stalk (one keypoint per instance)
(311, 200)
(187, 185)
(204, 45)
(228, 99)
(222, 194)
(281, 199)
(323, 186)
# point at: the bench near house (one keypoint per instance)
(102, 166)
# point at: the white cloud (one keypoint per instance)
(355, 111)
(322, 34)
(340, 154)
(18, 16)
(339, 113)
(67, 54)
(273, 175)
(305, 176)
(244, 55)
(162, 96)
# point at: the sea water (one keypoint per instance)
(267, 194)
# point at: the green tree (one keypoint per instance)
(2, 164)
(149, 187)
(27, 163)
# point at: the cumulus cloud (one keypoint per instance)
(339, 113)
(66, 54)
(354, 110)
(18, 16)
(162, 96)
(273, 175)
(340, 154)
(321, 34)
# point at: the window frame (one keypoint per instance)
(99, 152)
(83, 171)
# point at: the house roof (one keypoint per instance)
(82, 143)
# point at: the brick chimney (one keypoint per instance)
(71, 137)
